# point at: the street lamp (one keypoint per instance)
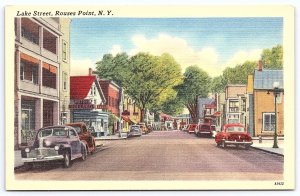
(276, 91)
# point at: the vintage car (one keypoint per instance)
(84, 135)
(135, 130)
(233, 134)
(185, 127)
(204, 129)
(143, 128)
(191, 128)
(55, 143)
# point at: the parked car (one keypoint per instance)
(233, 134)
(55, 143)
(135, 130)
(204, 129)
(84, 135)
(191, 128)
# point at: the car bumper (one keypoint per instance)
(42, 159)
(41, 154)
(205, 132)
(238, 142)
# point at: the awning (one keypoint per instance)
(129, 120)
(218, 113)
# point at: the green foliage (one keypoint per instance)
(113, 68)
(218, 84)
(273, 58)
(239, 73)
(196, 84)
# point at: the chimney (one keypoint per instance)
(90, 71)
(260, 65)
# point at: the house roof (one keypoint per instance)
(264, 79)
(80, 86)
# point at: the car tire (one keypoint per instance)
(94, 148)
(67, 160)
(247, 147)
(84, 153)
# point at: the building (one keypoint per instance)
(64, 73)
(235, 96)
(88, 103)
(221, 110)
(264, 102)
(113, 94)
(131, 113)
(204, 107)
(37, 68)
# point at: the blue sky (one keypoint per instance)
(211, 43)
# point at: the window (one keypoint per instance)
(72, 133)
(94, 90)
(233, 106)
(65, 79)
(64, 51)
(28, 71)
(49, 75)
(268, 121)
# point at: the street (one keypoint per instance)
(164, 155)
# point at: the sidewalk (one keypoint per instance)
(18, 159)
(267, 145)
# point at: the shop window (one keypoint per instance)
(268, 121)
(49, 75)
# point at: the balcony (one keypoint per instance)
(29, 86)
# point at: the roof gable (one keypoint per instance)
(80, 86)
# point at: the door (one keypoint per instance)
(75, 143)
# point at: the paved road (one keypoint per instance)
(163, 155)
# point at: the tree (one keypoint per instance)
(196, 83)
(217, 84)
(114, 68)
(273, 58)
(150, 78)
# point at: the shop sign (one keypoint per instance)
(85, 104)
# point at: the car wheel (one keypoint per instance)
(94, 148)
(247, 147)
(67, 160)
(218, 144)
(84, 153)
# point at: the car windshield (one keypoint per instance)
(135, 127)
(235, 129)
(52, 132)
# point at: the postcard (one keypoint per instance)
(149, 97)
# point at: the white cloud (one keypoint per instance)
(241, 56)
(116, 49)
(206, 58)
(80, 67)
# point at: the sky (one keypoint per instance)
(210, 43)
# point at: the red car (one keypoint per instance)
(205, 129)
(191, 128)
(84, 135)
(233, 134)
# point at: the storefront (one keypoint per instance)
(96, 121)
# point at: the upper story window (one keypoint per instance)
(30, 30)
(49, 41)
(28, 71)
(233, 105)
(64, 50)
(49, 75)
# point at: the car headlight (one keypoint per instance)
(56, 148)
(47, 143)
(27, 150)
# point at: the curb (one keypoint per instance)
(275, 153)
